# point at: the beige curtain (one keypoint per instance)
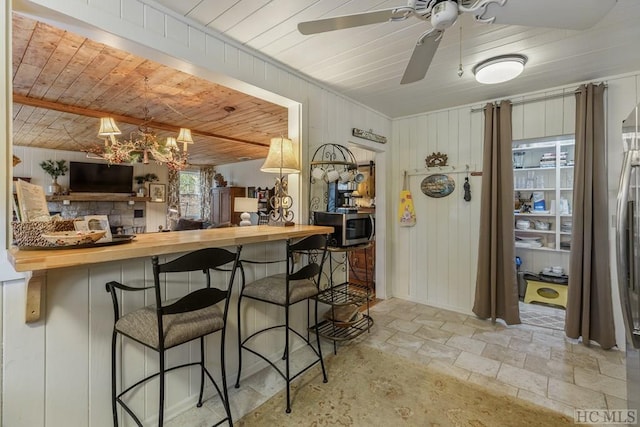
(589, 307)
(496, 286)
(173, 190)
(206, 182)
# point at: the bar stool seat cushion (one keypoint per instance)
(142, 325)
(274, 289)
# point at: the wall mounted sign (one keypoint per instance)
(438, 185)
(368, 134)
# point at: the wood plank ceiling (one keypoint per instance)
(63, 83)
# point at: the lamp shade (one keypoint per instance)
(245, 204)
(108, 127)
(499, 69)
(184, 136)
(171, 143)
(281, 158)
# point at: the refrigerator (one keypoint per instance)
(628, 252)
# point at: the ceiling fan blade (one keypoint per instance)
(347, 21)
(565, 14)
(421, 58)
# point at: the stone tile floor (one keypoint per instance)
(532, 363)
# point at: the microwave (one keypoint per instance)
(348, 228)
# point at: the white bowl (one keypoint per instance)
(71, 238)
(542, 225)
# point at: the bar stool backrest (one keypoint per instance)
(204, 260)
(315, 249)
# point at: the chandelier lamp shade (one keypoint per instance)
(499, 69)
(184, 136)
(171, 143)
(108, 128)
(281, 160)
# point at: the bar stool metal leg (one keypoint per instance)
(286, 352)
(114, 392)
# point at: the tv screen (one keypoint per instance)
(100, 178)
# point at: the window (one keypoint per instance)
(190, 194)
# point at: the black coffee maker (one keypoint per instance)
(340, 198)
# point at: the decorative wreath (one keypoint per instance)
(436, 159)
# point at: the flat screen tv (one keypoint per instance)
(100, 178)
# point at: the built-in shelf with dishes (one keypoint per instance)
(543, 186)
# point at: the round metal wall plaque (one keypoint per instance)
(438, 185)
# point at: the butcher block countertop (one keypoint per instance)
(161, 243)
(36, 262)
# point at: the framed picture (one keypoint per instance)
(95, 222)
(158, 192)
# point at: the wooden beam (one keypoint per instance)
(87, 112)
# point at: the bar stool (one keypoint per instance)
(299, 283)
(169, 323)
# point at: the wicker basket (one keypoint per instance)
(29, 234)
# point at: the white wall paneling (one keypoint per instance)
(434, 261)
(246, 174)
(78, 308)
(6, 130)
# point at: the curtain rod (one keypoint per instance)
(536, 99)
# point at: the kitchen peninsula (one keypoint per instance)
(144, 245)
(62, 362)
(149, 244)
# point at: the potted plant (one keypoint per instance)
(54, 169)
(141, 179)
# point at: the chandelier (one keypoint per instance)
(142, 144)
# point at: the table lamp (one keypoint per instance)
(245, 205)
(281, 160)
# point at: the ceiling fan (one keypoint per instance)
(442, 14)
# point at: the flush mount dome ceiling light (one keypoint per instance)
(499, 69)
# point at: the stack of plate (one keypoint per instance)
(528, 242)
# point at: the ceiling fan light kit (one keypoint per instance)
(499, 69)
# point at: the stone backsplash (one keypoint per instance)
(131, 217)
